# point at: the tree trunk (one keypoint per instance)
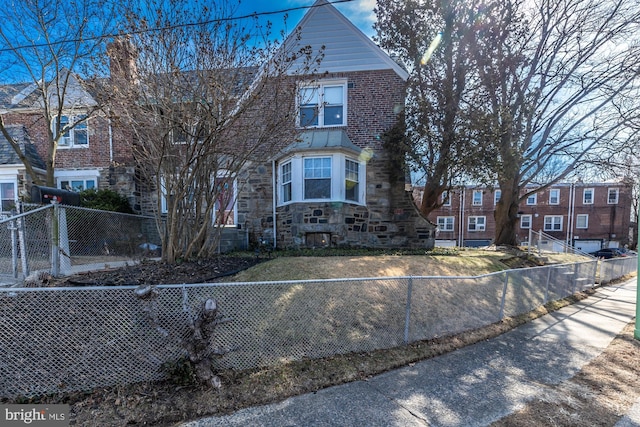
(506, 216)
(431, 197)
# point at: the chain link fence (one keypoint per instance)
(56, 239)
(67, 339)
(614, 268)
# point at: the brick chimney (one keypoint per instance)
(122, 60)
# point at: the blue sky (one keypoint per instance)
(360, 12)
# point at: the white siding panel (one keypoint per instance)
(346, 48)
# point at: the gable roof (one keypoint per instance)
(8, 155)
(346, 48)
(29, 95)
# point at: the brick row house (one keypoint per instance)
(588, 216)
(331, 185)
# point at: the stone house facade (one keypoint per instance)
(333, 185)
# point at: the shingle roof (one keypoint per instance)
(8, 155)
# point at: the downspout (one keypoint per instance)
(570, 217)
(462, 200)
(274, 198)
(110, 142)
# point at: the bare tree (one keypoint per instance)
(47, 43)
(553, 74)
(435, 41)
(205, 95)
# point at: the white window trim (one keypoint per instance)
(497, 195)
(164, 208)
(72, 132)
(234, 180)
(522, 217)
(586, 221)
(551, 192)
(338, 178)
(593, 195)
(617, 192)
(76, 175)
(553, 222)
(446, 222)
(473, 198)
(321, 84)
(15, 190)
(477, 227)
(533, 196)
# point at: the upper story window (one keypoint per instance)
(323, 104)
(77, 136)
(497, 194)
(612, 196)
(446, 198)
(532, 199)
(587, 196)
(334, 176)
(554, 196)
(477, 198)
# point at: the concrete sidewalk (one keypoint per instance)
(473, 386)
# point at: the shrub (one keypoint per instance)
(106, 200)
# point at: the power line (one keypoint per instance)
(172, 27)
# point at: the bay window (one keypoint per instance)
(335, 177)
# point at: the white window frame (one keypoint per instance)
(77, 175)
(532, 199)
(339, 178)
(321, 104)
(4, 198)
(446, 223)
(615, 191)
(585, 220)
(351, 179)
(71, 138)
(225, 175)
(477, 223)
(497, 194)
(554, 196)
(551, 221)
(222, 174)
(586, 191)
(526, 219)
(286, 182)
(476, 201)
(317, 167)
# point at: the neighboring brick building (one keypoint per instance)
(588, 216)
(331, 186)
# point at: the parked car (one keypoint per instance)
(607, 253)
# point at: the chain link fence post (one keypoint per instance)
(504, 295)
(407, 314)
